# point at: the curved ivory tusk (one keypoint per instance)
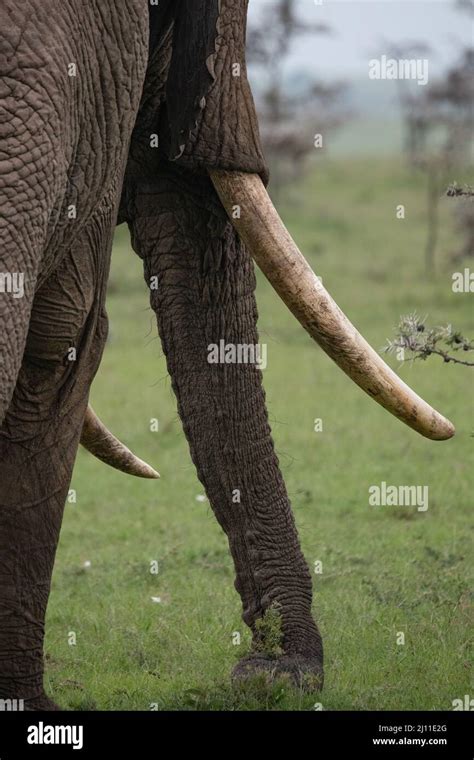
(105, 446)
(277, 255)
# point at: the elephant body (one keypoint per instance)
(116, 112)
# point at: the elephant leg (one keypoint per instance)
(205, 295)
(23, 232)
(38, 443)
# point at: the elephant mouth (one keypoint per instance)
(287, 270)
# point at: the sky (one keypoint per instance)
(361, 27)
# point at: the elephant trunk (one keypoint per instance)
(277, 255)
(205, 296)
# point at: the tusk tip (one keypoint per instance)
(436, 427)
(102, 444)
(142, 469)
(444, 432)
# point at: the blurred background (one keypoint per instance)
(309, 66)
(373, 178)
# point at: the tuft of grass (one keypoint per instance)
(269, 632)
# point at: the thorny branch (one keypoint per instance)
(420, 341)
(455, 190)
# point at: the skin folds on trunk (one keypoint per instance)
(206, 294)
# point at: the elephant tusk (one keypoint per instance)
(277, 255)
(105, 446)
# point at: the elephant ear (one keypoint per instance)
(210, 113)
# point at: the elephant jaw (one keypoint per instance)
(105, 446)
(277, 255)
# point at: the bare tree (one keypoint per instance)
(289, 121)
(453, 97)
(414, 109)
(466, 5)
(438, 122)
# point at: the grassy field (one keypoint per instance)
(386, 570)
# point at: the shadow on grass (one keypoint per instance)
(255, 694)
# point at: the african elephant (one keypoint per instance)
(140, 112)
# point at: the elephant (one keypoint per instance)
(141, 113)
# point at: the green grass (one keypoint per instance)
(385, 569)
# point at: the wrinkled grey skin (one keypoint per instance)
(84, 141)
